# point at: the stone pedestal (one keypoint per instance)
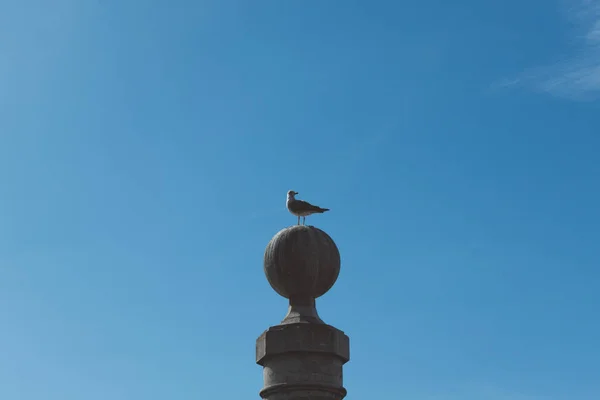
(302, 361)
(302, 357)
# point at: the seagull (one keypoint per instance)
(301, 208)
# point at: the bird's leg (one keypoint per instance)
(298, 220)
(303, 220)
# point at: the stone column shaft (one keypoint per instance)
(302, 357)
(303, 361)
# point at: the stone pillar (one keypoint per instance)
(302, 357)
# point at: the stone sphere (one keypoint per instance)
(301, 262)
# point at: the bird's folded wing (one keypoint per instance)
(301, 205)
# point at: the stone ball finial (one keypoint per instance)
(301, 263)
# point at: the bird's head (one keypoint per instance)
(291, 193)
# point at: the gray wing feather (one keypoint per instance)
(301, 205)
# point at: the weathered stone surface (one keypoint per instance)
(300, 392)
(302, 358)
(301, 261)
(311, 338)
(303, 369)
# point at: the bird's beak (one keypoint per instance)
(295, 193)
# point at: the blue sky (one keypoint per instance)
(146, 149)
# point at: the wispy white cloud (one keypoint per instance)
(578, 76)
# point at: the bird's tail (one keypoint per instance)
(322, 210)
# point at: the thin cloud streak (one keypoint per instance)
(578, 77)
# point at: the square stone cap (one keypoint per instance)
(304, 338)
